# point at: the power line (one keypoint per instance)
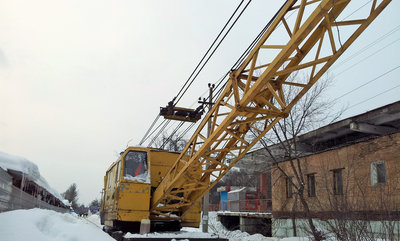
(358, 9)
(365, 58)
(380, 76)
(369, 45)
(384, 92)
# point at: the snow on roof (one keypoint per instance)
(237, 190)
(30, 170)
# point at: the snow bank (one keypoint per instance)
(30, 169)
(215, 226)
(95, 219)
(47, 225)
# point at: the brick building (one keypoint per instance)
(361, 180)
(351, 171)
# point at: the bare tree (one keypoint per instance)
(171, 142)
(312, 111)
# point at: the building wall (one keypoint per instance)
(12, 198)
(360, 199)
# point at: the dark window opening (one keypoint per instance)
(381, 172)
(378, 173)
(289, 187)
(311, 185)
(337, 182)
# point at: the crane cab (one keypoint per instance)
(128, 186)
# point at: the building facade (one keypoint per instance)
(351, 175)
(360, 181)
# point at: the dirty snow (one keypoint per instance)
(30, 169)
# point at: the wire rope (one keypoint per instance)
(215, 40)
(156, 136)
(172, 134)
(148, 130)
(212, 53)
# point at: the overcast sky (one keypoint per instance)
(79, 80)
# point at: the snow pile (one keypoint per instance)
(215, 226)
(46, 225)
(30, 170)
(95, 219)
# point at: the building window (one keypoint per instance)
(378, 173)
(311, 185)
(337, 182)
(289, 187)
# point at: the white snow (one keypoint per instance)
(30, 170)
(46, 225)
(142, 178)
(237, 190)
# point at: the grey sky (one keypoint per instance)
(79, 79)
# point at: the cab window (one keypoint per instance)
(135, 164)
(118, 172)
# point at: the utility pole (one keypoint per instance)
(206, 198)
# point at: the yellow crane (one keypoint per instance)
(253, 101)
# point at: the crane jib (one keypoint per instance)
(255, 98)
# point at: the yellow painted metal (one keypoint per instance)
(254, 101)
(129, 201)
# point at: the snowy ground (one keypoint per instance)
(46, 225)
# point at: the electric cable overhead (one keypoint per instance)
(365, 58)
(381, 93)
(368, 82)
(395, 29)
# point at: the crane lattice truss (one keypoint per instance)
(311, 38)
